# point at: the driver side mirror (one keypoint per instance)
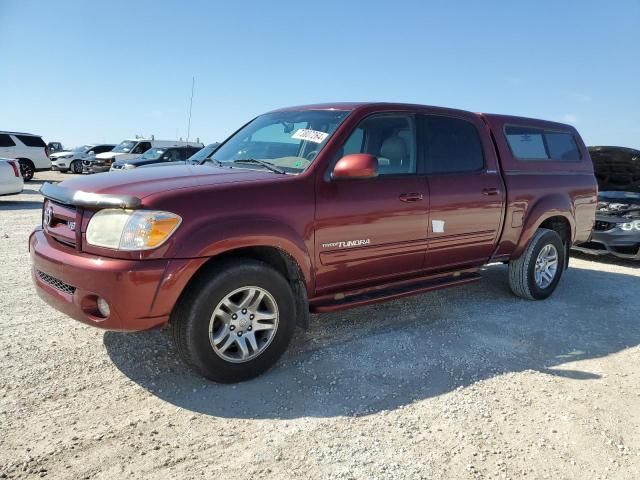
(91, 152)
(355, 166)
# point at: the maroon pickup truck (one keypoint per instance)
(313, 209)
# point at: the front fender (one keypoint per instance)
(554, 205)
(215, 238)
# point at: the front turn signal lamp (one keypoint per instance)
(131, 230)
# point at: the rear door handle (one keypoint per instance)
(490, 191)
(411, 197)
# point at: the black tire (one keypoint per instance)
(522, 270)
(75, 167)
(191, 317)
(27, 169)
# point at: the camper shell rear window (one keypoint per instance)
(538, 144)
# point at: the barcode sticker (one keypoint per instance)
(310, 135)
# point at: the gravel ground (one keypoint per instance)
(469, 382)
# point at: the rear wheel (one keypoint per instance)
(235, 320)
(27, 169)
(535, 275)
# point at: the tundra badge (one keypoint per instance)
(348, 243)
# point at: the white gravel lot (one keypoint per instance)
(466, 383)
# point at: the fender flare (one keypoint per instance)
(217, 238)
(554, 205)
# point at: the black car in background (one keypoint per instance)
(617, 227)
(157, 156)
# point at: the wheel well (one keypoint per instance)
(279, 260)
(561, 226)
(26, 160)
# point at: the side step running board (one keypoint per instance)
(358, 298)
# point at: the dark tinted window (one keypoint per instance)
(529, 143)
(30, 141)
(6, 141)
(562, 146)
(451, 145)
(390, 138)
(102, 148)
(141, 147)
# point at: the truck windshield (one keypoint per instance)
(124, 147)
(287, 140)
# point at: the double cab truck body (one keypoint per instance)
(313, 209)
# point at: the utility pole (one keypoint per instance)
(193, 84)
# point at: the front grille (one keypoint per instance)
(55, 283)
(60, 221)
(602, 226)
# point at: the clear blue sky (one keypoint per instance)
(81, 71)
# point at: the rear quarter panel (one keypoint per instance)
(538, 190)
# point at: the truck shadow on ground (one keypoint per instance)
(19, 205)
(382, 357)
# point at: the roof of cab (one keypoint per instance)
(497, 118)
(350, 106)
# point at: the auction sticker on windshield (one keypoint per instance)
(310, 135)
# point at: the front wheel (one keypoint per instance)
(535, 275)
(235, 321)
(76, 167)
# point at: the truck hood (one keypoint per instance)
(141, 183)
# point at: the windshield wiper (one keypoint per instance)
(267, 165)
(217, 163)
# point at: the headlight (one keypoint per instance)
(627, 227)
(131, 229)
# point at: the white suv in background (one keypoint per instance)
(71, 160)
(30, 151)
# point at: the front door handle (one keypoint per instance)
(411, 197)
(490, 191)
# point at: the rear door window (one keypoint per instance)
(451, 145)
(530, 143)
(31, 141)
(6, 141)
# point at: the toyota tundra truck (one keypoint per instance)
(313, 209)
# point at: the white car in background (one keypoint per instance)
(11, 182)
(71, 160)
(30, 150)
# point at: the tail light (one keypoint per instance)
(46, 152)
(16, 168)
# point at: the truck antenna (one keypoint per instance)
(193, 84)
